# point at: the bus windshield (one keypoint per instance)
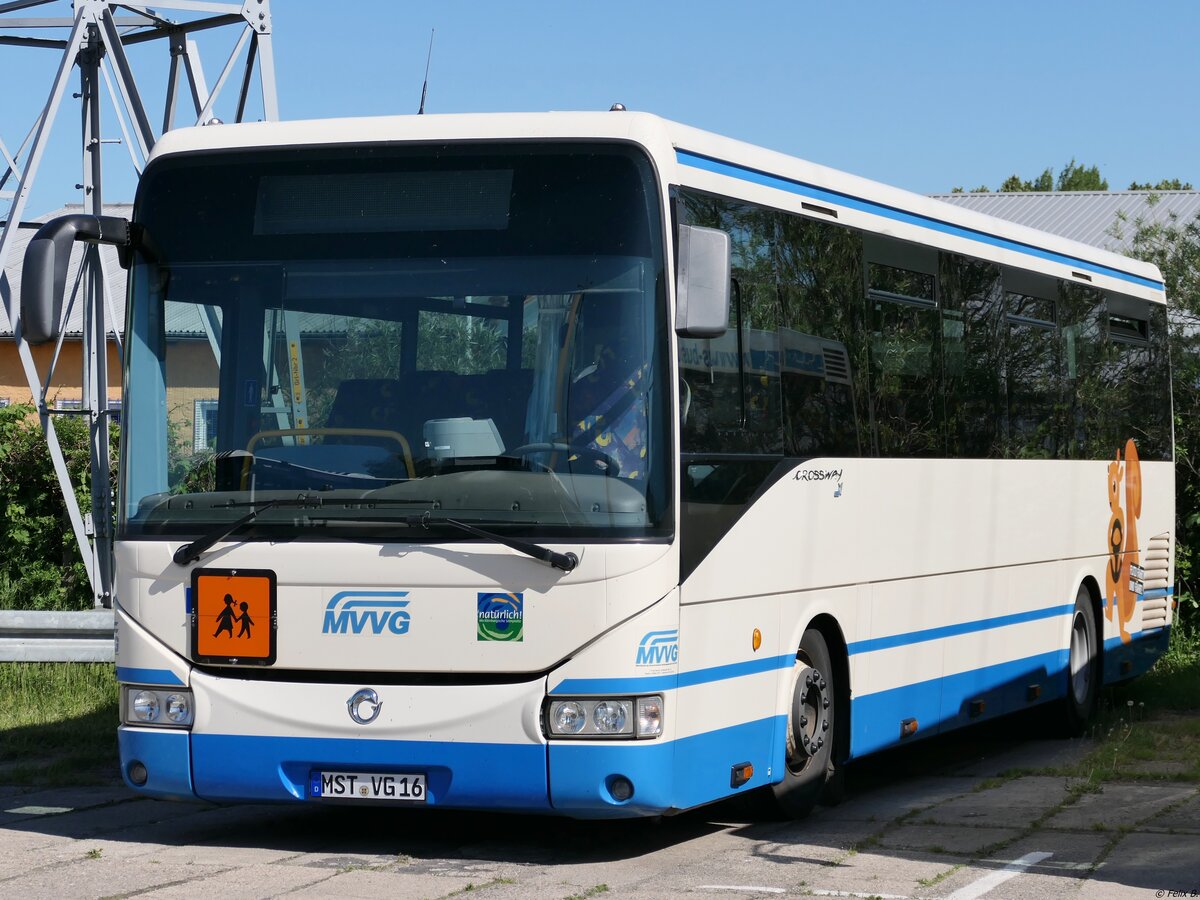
(371, 333)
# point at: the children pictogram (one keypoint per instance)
(223, 598)
(225, 617)
(245, 619)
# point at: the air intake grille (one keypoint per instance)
(1156, 608)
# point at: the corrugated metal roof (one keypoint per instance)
(183, 321)
(112, 269)
(1103, 219)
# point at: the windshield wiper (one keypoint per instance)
(565, 561)
(189, 553)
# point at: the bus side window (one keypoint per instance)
(970, 295)
(1132, 378)
(1033, 378)
(1151, 426)
(906, 327)
(734, 397)
(1083, 312)
(821, 350)
(760, 322)
(711, 382)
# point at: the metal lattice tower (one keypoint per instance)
(98, 34)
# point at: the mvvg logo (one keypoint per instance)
(371, 611)
(658, 648)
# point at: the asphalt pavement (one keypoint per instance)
(963, 818)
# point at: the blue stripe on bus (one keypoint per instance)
(755, 176)
(458, 773)
(941, 703)
(933, 634)
(147, 676)
(665, 774)
(1124, 661)
(166, 754)
(571, 776)
(1150, 634)
(651, 683)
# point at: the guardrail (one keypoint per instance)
(39, 636)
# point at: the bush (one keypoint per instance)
(40, 567)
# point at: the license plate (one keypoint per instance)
(367, 786)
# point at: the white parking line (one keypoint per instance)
(742, 887)
(977, 889)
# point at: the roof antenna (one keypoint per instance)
(425, 85)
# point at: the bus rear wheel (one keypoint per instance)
(808, 751)
(1083, 665)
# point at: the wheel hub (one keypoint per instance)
(808, 719)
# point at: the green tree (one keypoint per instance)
(1174, 246)
(1166, 184)
(1014, 184)
(1073, 177)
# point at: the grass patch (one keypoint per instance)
(483, 886)
(1151, 734)
(1003, 778)
(590, 892)
(939, 877)
(1149, 729)
(58, 722)
(1174, 682)
(1145, 746)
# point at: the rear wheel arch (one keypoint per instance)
(839, 656)
(1093, 588)
(1083, 682)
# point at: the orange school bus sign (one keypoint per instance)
(233, 616)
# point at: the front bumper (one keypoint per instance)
(480, 746)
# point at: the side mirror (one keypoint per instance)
(44, 271)
(702, 285)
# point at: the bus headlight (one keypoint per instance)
(165, 709)
(179, 708)
(611, 716)
(569, 718)
(605, 717)
(144, 707)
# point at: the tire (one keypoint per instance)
(809, 739)
(1083, 666)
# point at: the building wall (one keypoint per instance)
(192, 375)
(68, 375)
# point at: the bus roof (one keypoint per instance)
(721, 165)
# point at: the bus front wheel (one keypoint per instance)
(809, 759)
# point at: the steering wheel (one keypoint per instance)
(611, 467)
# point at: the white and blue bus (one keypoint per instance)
(596, 465)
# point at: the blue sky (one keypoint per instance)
(924, 95)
